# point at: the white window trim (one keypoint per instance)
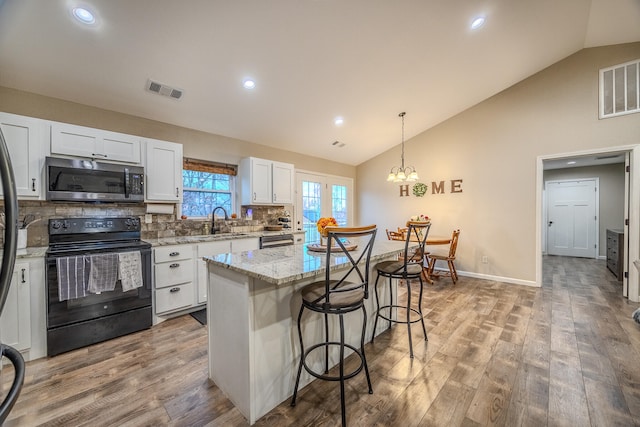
(624, 66)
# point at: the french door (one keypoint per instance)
(320, 196)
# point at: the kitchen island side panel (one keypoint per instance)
(228, 330)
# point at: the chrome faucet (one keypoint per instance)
(213, 219)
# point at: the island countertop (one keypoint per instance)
(289, 264)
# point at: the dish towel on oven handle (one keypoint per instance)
(104, 273)
(130, 270)
(73, 277)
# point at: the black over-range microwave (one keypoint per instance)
(80, 180)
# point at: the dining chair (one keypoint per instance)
(339, 293)
(449, 257)
(409, 266)
(394, 235)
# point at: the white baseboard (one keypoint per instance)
(495, 278)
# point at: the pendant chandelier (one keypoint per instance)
(400, 173)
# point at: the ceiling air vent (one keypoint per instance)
(164, 90)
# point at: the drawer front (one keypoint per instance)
(173, 253)
(174, 298)
(173, 273)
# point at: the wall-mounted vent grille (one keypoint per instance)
(620, 89)
(164, 90)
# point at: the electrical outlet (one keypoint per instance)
(485, 259)
(148, 218)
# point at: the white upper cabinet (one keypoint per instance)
(283, 183)
(265, 182)
(163, 168)
(25, 138)
(72, 140)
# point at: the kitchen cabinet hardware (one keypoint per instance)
(23, 278)
(174, 265)
(174, 254)
(104, 156)
(174, 290)
(33, 184)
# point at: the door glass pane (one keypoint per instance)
(339, 204)
(311, 209)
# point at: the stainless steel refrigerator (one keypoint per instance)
(6, 271)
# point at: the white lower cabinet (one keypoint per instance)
(173, 278)
(241, 245)
(208, 249)
(176, 286)
(15, 322)
(23, 321)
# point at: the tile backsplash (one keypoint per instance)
(162, 225)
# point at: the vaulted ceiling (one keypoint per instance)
(312, 61)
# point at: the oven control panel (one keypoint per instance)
(93, 225)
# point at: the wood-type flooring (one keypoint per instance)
(498, 354)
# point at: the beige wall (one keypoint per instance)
(611, 195)
(196, 144)
(493, 147)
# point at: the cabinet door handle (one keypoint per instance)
(254, 196)
(174, 290)
(99, 155)
(275, 197)
(177, 193)
(33, 184)
(23, 279)
(176, 265)
(174, 254)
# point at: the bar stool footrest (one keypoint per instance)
(330, 377)
(402, 307)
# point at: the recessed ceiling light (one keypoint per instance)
(249, 84)
(83, 15)
(477, 22)
(338, 121)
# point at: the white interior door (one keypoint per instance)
(572, 218)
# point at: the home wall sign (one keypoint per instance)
(437, 187)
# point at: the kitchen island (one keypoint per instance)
(252, 309)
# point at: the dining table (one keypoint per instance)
(431, 241)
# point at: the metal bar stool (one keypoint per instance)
(342, 294)
(410, 267)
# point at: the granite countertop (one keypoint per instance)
(287, 264)
(182, 240)
(33, 252)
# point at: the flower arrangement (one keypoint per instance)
(421, 218)
(325, 221)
